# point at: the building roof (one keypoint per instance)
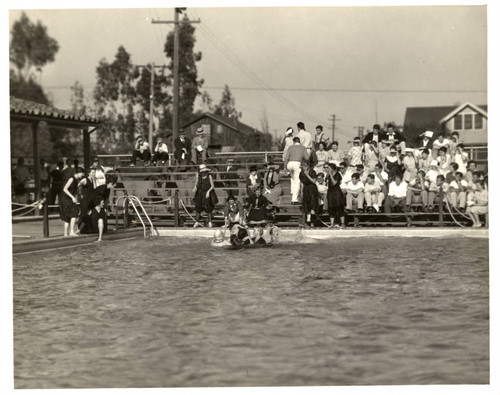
(25, 110)
(434, 115)
(477, 109)
(226, 121)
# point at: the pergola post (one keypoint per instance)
(36, 164)
(86, 148)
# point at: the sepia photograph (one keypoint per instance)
(279, 197)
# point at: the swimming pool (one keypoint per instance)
(174, 312)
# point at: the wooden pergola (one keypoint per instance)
(36, 115)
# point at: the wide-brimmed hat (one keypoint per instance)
(199, 130)
(289, 131)
(203, 168)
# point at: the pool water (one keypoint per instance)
(176, 312)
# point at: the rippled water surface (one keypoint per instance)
(176, 312)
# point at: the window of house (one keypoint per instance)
(468, 121)
(478, 121)
(458, 122)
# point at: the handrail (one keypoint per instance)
(131, 199)
(153, 230)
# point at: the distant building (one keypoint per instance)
(225, 133)
(470, 120)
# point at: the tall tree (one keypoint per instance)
(189, 85)
(227, 106)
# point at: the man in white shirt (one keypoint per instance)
(294, 157)
(160, 152)
(382, 177)
(458, 190)
(100, 176)
(397, 194)
(346, 175)
(304, 136)
(373, 194)
(434, 189)
(355, 190)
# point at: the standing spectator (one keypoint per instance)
(397, 194)
(160, 152)
(395, 138)
(424, 161)
(253, 181)
(199, 147)
(355, 153)
(375, 135)
(304, 137)
(392, 164)
(99, 176)
(85, 189)
(460, 157)
(205, 198)
(335, 197)
(20, 177)
(345, 174)
(322, 188)
(334, 155)
(56, 183)
(287, 140)
(68, 209)
(319, 137)
(272, 186)
(478, 204)
(310, 195)
(373, 194)
(182, 146)
(68, 171)
(294, 157)
(416, 191)
(141, 151)
(355, 190)
(457, 191)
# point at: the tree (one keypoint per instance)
(31, 46)
(226, 106)
(189, 85)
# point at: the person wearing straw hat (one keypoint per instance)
(200, 146)
(205, 197)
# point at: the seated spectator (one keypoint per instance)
(319, 137)
(409, 165)
(322, 157)
(444, 161)
(451, 174)
(253, 181)
(461, 158)
(438, 143)
(355, 190)
(363, 172)
(334, 155)
(435, 188)
(374, 136)
(417, 190)
(425, 160)
(345, 174)
(160, 152)
(395, 138)
(273, 190)
(383, 150)
(397, 194)
(373, 194)
(182, 154)
(454, 141)
(141, 151)
(199, 147)
(478, 204)
(471, 168)
(99, 219)
(355, 154)
(322, 190)
(433, 172)
(233, 211)
(458, 190)
(426, 141)
(472, 184)
(392, 164)
(310, 196)
(382, 177)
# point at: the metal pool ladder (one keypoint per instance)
(133, 200)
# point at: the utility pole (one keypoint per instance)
(175, 115)
(334, 119)
(151, 99)
(361, 130)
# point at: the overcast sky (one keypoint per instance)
(318, 54)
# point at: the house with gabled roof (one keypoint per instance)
(226, 134)
(470, 120)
